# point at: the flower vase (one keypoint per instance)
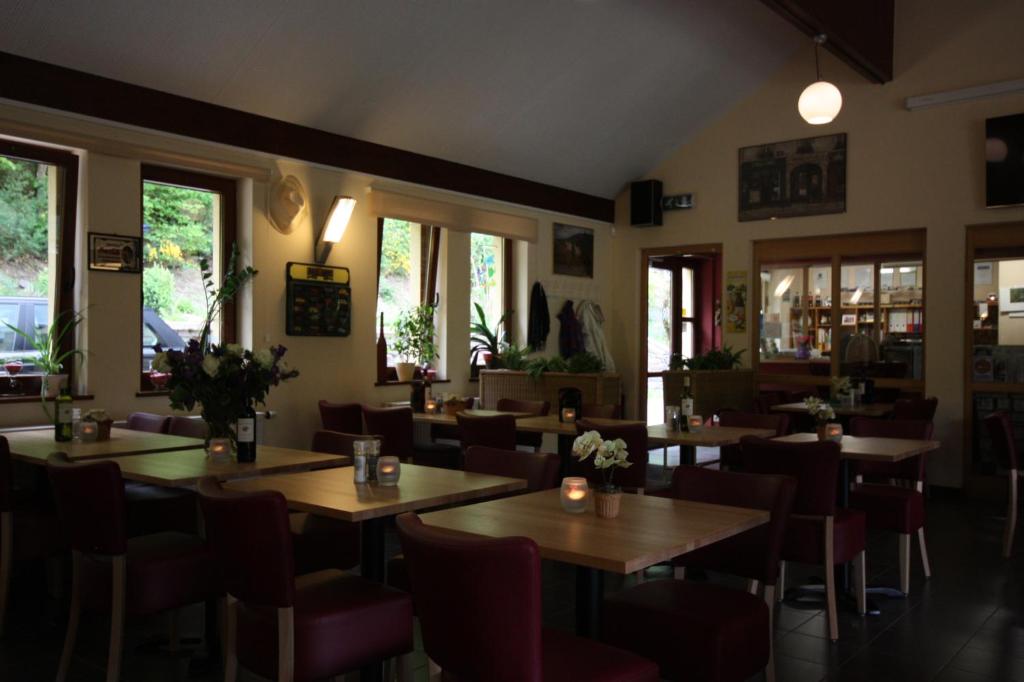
(607, 503)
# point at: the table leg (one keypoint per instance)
(373, 566)
(589, 601)
(565, 452)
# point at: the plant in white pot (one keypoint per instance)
(48, 346)
(414, 340)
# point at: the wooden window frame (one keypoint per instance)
(228, 189)
(508, 298)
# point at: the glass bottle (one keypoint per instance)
(245, 432)
(686, 399)
(62, 417)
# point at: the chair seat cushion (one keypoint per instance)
(438, 455)
(155, 509)
(741, 555)
(566, 657)
(165, 571)
(889, 507)
(694, 631)
(37, 534)
(342, 622)
(320, 542)
(805, 538)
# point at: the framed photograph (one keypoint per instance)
(1011, 298)
(115, 253)
(793, 178)
(573, 251)
(849, 319)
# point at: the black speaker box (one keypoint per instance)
(645, 203)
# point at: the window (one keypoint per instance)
(487, 282)
(38, 191)
(185, 217)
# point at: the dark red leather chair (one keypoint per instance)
(479, 604)
(702, 631)
(337, 443)
(539, 469)
(819, 532)
(598, 411)
(494, 431)
(1000, 430)
(896, 508)
(146, 421)
(188, 427)
(343, 417)
(635, 435)
(915, 408)
(539, 408)
(319, 626)
(730, 455)
(396, 428)
(136, 576)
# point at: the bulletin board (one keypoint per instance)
(318, 300)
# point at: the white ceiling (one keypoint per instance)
(583, 94)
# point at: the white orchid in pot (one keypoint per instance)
(609, 456)
(823, 414)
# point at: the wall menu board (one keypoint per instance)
(318, 300)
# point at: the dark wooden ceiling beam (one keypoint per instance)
(57, 87)
(859, 33)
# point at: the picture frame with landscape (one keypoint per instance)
(573, 250)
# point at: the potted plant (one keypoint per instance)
(48, 346)
(486, 342)
(823, 415)
(414, 340)
(609, 455)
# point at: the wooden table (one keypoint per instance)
(861, 410)
(872, 449)
(450, 419)
(185, 468)
(647, 531)
(36, 445)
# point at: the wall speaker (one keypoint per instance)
(645, 203)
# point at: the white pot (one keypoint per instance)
(405, 370)
(52, 383)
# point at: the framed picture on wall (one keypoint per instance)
(115, 253)
(573, 251)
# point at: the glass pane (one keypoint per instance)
(655, 400)
(486, 280)
(857, 324)
(687, 303)
(998, 320)
(796, 319)
(985, 459)
(8, 316)
(659, 320)
(688, 339)
(398, 287)
(902, 324)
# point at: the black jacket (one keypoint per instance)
(540, 320)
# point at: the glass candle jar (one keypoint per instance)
(89, 431)
(568, 414)
(694, 423)
(389, 469)
(834, 432)
(219, 449)
(575, 492)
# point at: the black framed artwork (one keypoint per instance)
(115, 253)
(573, 249)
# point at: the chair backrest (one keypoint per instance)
(540, 469)
(90, 503)
(188, 427)
(915, 408)
(598, 411)
(478, 601)
(1000, 430)
(910, 469)
(147, 421)
(635, 436)
(251, 537)
(539, 408)
(6, 475)
(778, 422)
(753, 491)
(494, 431)
(335, 443)
(343, 417)
(814, 465)
(395, 425)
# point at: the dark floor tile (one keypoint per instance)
(954, 675)
(788, 669)
(882, 667)
(1002, 666)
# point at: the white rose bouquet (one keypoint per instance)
(820, 410)
(609, 455)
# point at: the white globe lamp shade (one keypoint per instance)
(820, 103)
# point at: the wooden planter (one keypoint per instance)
(603, 389)
(713, 390)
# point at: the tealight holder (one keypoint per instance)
(568, 414)
(89, 431)
(430, 407)
(574, 494)
(219, 450)
(389, 469)
(694, 423)
(834, 432)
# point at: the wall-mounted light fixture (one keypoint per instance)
(820, 101)
(333, 228)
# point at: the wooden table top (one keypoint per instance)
(862, 410)
(36, 445)
(551, 424)
(873, 449)
(184, 468)
(450, 420)
(647, 531)
(334, 493)
(709, 436)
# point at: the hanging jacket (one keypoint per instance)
(570, 336)
(591, 320)
(539, 320)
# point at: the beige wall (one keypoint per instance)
(335, 369)
(905, 170)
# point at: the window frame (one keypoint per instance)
(508, 299)
(227, 187)
(67, 199)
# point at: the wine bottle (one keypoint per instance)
(245, 432)
(382, 354)
(62, 417)
(686, 399)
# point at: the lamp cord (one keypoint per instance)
(817, 65)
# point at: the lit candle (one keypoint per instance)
(89, 432)
(219, 449)
(568, 414)
(834, 432)
(388, 470)
(431, 406)
(574, 494)
(695, 423)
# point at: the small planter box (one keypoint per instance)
(604, 389)
(713, 390)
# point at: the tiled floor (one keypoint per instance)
(966, 624)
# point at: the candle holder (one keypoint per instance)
(568, 415)
(430, 407)
(834, 432)
(695, 423)
(389, 470)
(219, 450)
(574, 494)
(89, 431)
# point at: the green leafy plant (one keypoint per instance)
(158, 289)
(414, 334)
(514, 357)
(48, 344)
(725, 358)
(234, 280)
(536, 367)
(585, 363)
(484, 339)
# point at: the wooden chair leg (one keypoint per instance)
(406, 667)
(781, 584)
(286, 644)
(860, 581)
(752, 586)
(830, 579)
(75, 612)
(119, 573)
(679, 572)
(924, 553)
(6, 559)
(905, 563)
(1011, 516)
(433, 668)
(769, 598)
(230, 639)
